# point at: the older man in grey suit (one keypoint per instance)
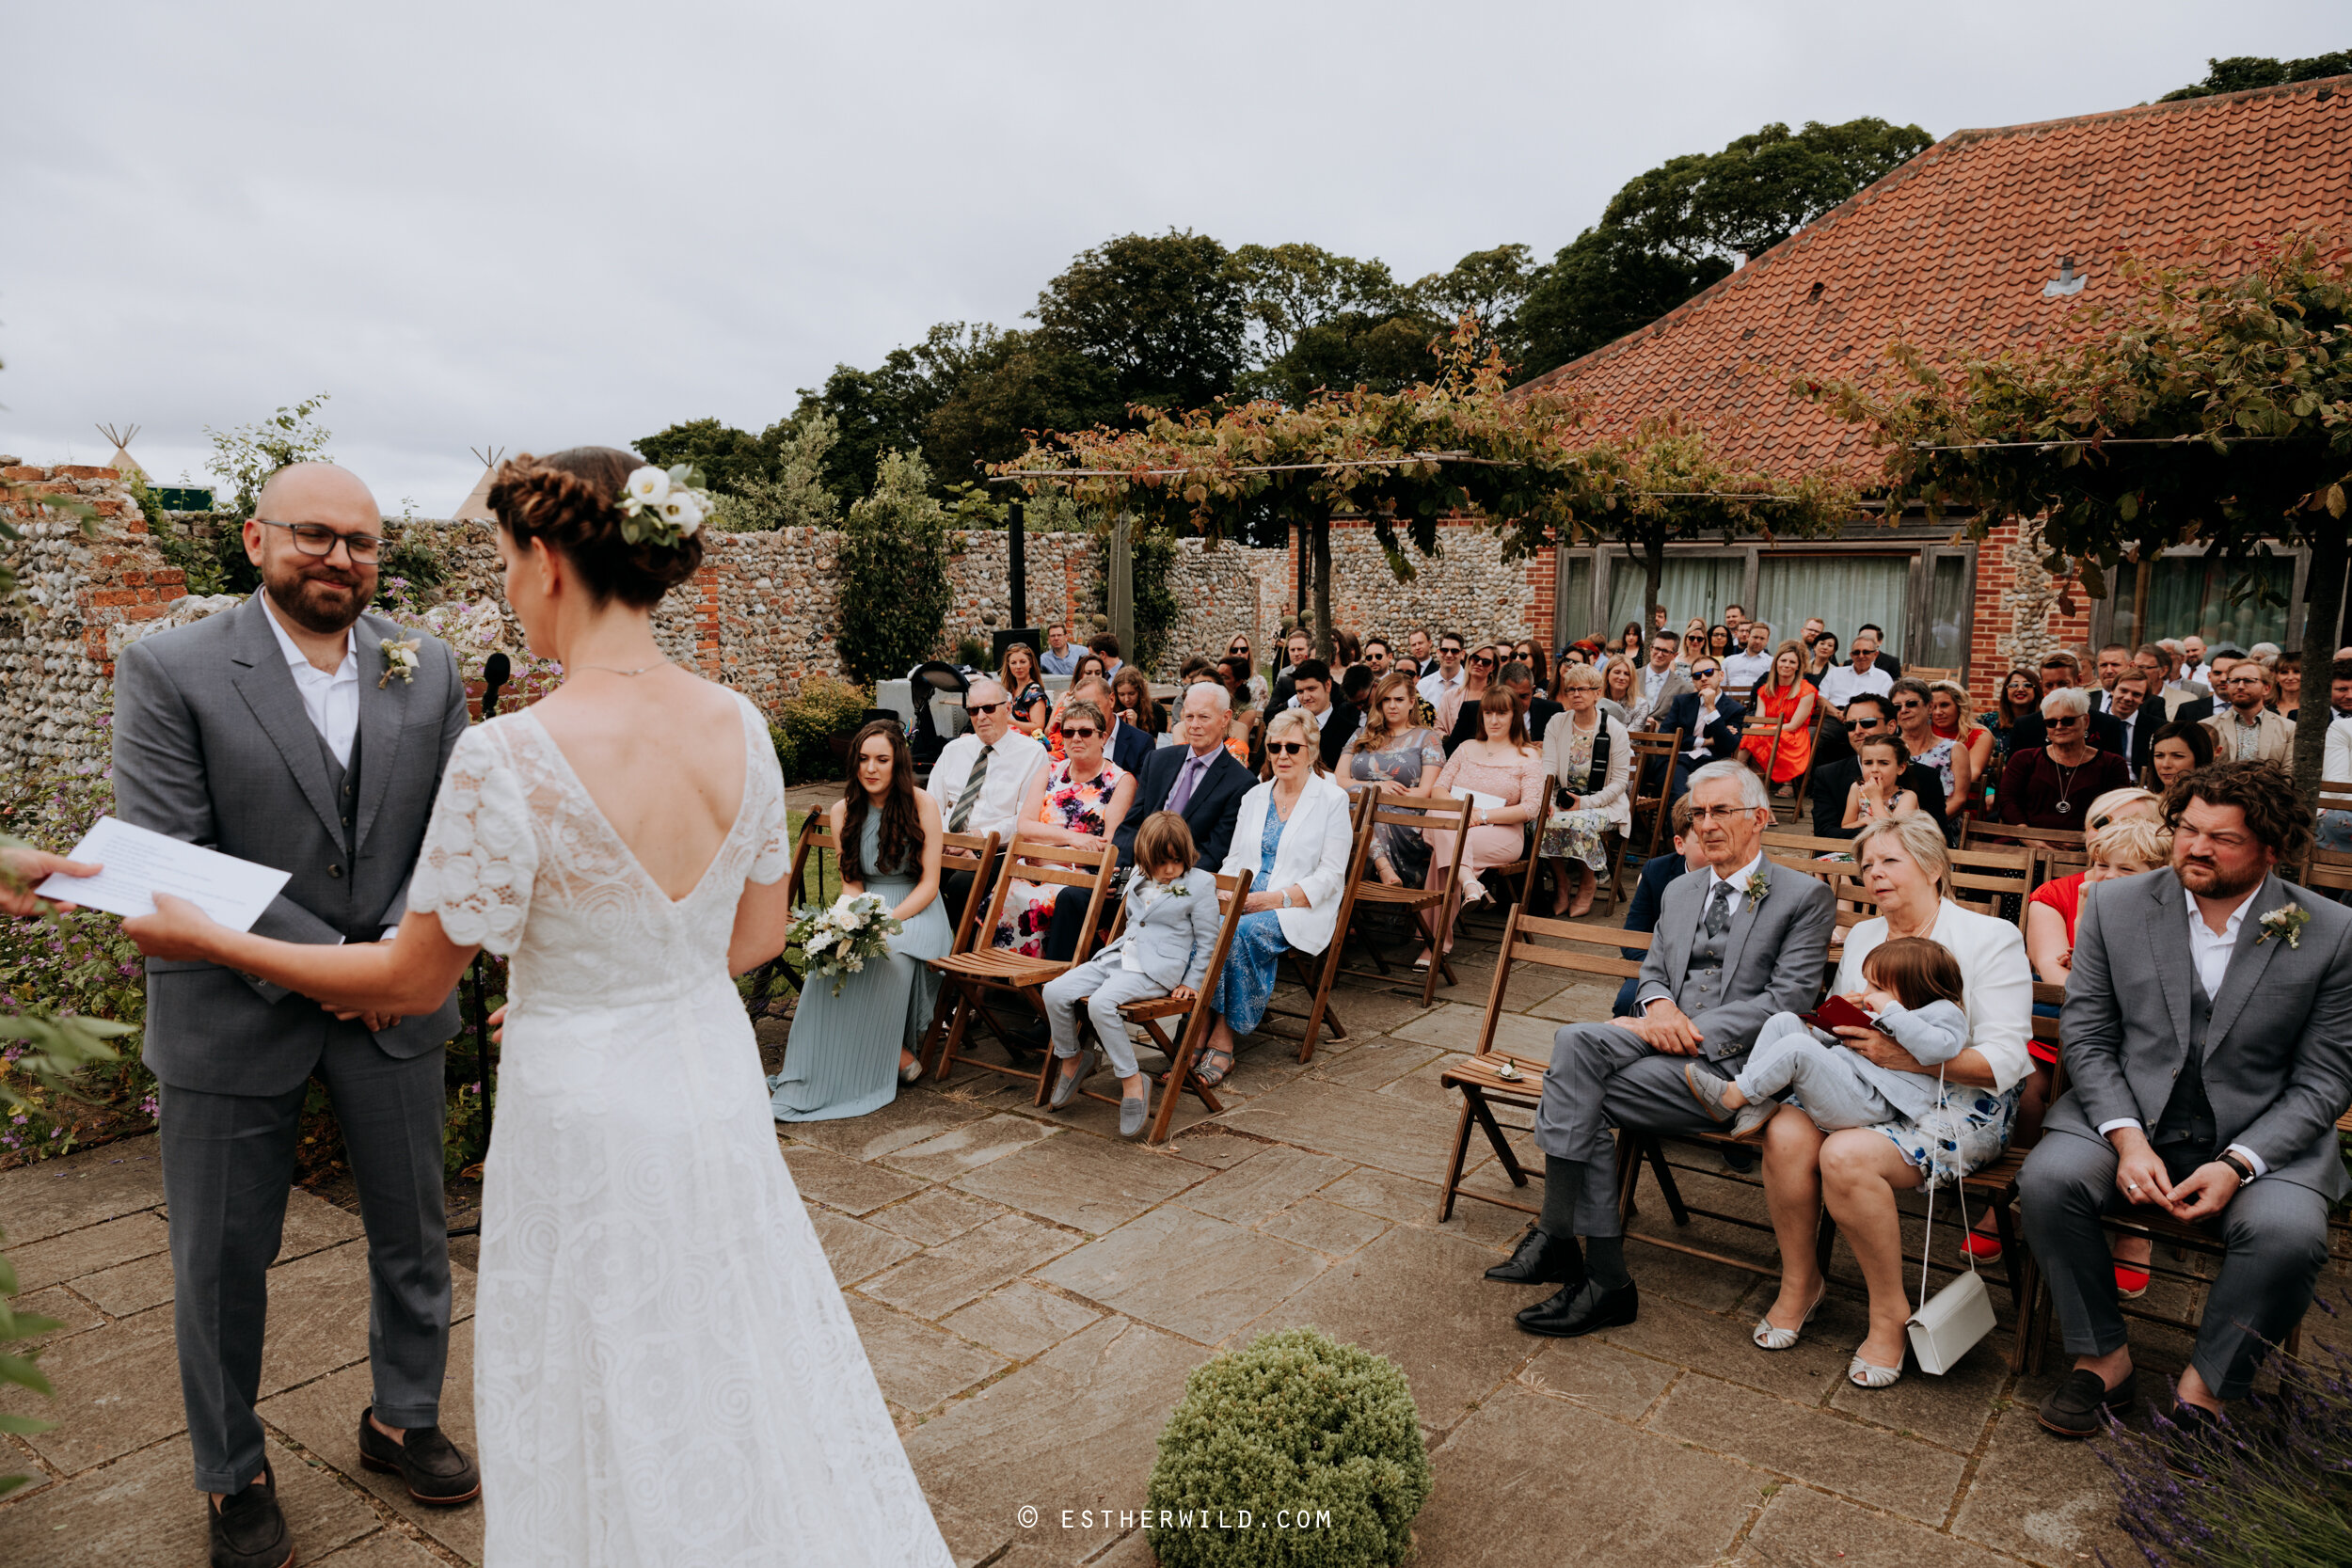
(1732, 947)
(283, 732)
(2208, 1030)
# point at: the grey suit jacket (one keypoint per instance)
(1646, 714)
(2278, 1062)
(1174, 937)
(211, 745)
(1774, 954)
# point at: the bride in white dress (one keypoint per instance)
(664, 1370)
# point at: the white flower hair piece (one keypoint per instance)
(663, 506)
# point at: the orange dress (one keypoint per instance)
(1794, 750)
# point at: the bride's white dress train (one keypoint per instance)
(664, 1370)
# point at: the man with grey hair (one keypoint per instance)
(1733, 946)
(981, 778)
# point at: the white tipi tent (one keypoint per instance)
(476, 506)
(122, 461)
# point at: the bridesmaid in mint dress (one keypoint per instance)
(849, 1053)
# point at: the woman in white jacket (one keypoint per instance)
(1292, 833)
(1587, 755)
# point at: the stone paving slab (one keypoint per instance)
(1189, 1273)
(143, 1510)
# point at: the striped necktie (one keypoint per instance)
(969, 796)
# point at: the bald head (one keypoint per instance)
(323, 594)
(318, 493)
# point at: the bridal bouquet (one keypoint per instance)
(839, 938)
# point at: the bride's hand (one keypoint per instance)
(177, 929)
(498, 1027)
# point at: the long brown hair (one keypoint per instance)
(2001, 703)
(1376, 728)
(1497, 699)
(1915, 971)
(901, 821)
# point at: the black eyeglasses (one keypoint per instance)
(1708, 673)
(1287, 747)
(978, 710)
(2065, 719)
(317, 539)
(1080, 735)
(1449, 647)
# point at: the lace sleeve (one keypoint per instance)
(480, 854)
(772, 855)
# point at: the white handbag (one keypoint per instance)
(1949, 1324)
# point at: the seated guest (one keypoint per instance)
(1507, 769)
(1733, 946)
(1106, 645)
(2286, 679)
(1619, 687)
(2020, 698)
(1355, 686)
(1126, 744)
(1293, 832)
(1587, 757)
(1079, 799)
(1017, 672)
(1478, 672)
(1878, 795)
(2247, 730)
(2061, 672)
(1641, 911)
(980, 779)
(1335, 717)
(1130, 695)
(1866, 673)
(1378, 657)
(1535, 712)
(2206, 1046)
(2128, 705)
(1061, 656)
(1859, 1170)
(1947, 709)
(1297, 648)
(1241, 734)
(1397, 755)
(2048, 786)
(1867, 715)
(2176, 750)
(1163, 950)
(1708, 719)
(1199, 780)
(1781, 693)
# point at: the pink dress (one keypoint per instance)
(1497, 843)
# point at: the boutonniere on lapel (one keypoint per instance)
(2286, 921)
(400, 659)
(1178, 890)
(1758, 886)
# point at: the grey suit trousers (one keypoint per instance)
(1601, 1077)
(2276, 1232)
(229, 1160)
(1103, 984)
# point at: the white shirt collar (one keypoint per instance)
(2229, 931)
(1740, 878)
(348, 671)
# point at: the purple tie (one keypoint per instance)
(1187, 777)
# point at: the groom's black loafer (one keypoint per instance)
(248, 1531)
(1581, 1310)
(435, 1470)
(1542, 1259)
(2079, 1406)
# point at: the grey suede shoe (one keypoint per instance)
(1708, 1089)
(1133, 1111)
(1067, 1085)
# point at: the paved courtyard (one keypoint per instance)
(1033, 1293)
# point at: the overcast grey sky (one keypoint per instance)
(537, 226)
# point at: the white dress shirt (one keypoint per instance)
(2209, 955)
(1433, 685)
(1745, 669)
(1737, 881)
(332, 701)
(1012, 762)
(2130, 730)
(1843, 682)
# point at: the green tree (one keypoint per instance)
(892, 572)
(1601, 286)
(243, 458)
(790, 491)
(2212, 406)
(725, 455)
(1161, 315)
(2243, 72)
(1492, 285)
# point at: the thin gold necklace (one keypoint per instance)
(612, 669)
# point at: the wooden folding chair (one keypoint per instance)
(1392, 809)
(1929, 673)
(2328, 871)
(1799, 803)
(1318, 978)
(1977, 833)
(1766, 730)
(1647, 744)
(975, 854)
(1517, 879)
(1198, 1014)
(984, 972)
(815, 838)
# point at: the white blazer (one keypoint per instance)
(1313, 856)
(1995, 981)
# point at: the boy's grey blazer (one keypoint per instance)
(211, 745)
(1776, 954)
(1175, 937)
(2278, 1062)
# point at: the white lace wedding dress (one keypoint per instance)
(664, 1370)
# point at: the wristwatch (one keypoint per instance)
(1286, 904)
(2237, 1163)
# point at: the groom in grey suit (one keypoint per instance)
(1734, 945)
(2208, 1035)
(279, 732)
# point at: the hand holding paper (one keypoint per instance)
(139, 864)
(20, 866)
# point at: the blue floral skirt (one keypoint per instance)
(1966, 1130)
(1247, 983)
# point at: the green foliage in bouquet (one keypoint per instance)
(1294, 1422)
(839, 938)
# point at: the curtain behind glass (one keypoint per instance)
(2188, 594)
(1690, 585)
(1843, 589)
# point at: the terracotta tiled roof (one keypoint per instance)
(1954, 248)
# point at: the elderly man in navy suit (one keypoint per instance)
(1198, 781)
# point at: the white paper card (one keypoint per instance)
(140, 863)
(1480, 798)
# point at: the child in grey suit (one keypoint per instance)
(1914, 996)
(1162, 950)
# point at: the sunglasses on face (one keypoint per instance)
(1082, 734)
(1481, 659)
(1708, 673)
(2066, 719)
(1286, 748)
(1863, 725)
(978, 709)
(1908, 706)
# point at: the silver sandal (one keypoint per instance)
(1767, 1337)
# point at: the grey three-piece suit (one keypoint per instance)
(1770, 958)
(2266, 1064)
(211, 745)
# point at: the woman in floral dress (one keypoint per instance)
(1501, 763)
(1080, 799)
(1393, 751)
(1587, 755)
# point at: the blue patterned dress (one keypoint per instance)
(1247, 983)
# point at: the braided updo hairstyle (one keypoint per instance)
(567, 501)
